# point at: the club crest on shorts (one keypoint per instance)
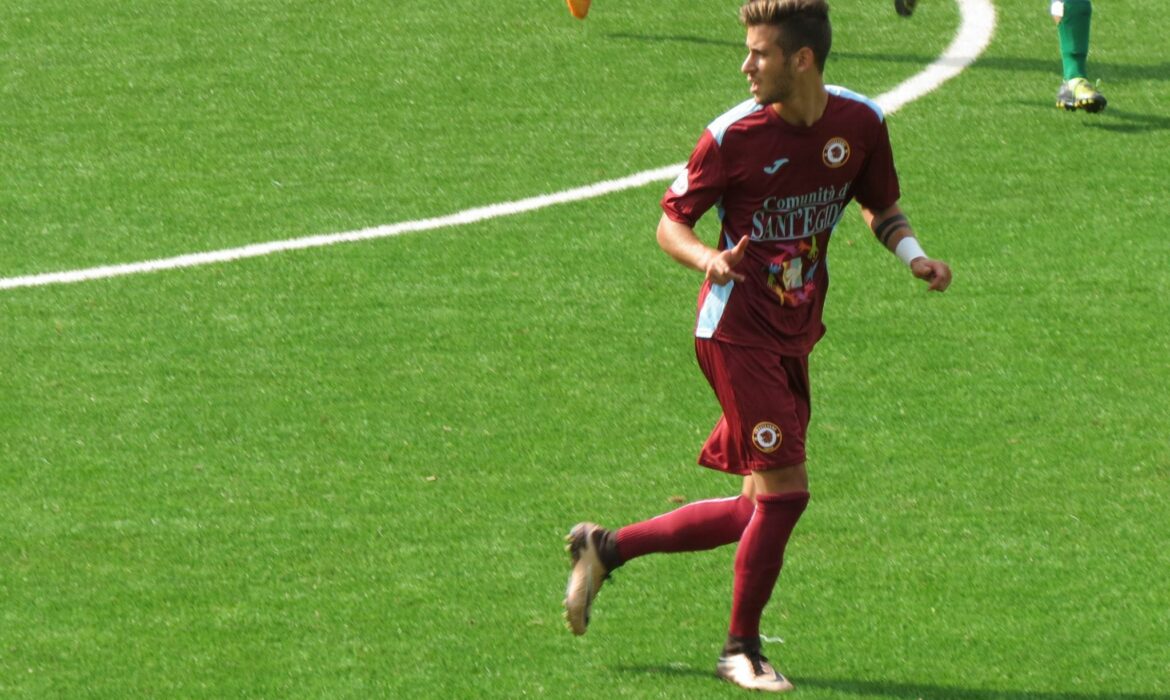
(767, 437)
(836, 152)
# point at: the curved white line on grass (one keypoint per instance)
(976, 26)
(975, 31)
(256, 250)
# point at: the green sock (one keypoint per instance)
(1074, 37)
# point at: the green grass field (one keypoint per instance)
(345, 472)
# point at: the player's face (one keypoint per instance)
(768, 70)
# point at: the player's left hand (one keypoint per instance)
(935, 272)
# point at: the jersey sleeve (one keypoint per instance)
(699, 186)
(876, 186)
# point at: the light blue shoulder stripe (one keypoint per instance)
(857, 97)
(723, 122)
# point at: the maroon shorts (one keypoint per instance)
(765, 400)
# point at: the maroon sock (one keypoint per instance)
(691, 528)
(759, 557)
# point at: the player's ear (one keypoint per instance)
(805, 60)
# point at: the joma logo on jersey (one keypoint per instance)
(771, 169)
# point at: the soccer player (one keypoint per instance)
(780, 168)
(1073, 18)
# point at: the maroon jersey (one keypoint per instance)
(785, 187)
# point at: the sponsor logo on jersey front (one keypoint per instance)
(766, 437)
(836, 152)
(799, 216)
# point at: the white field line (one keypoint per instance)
(977, 25)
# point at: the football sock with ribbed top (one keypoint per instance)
(760, 556)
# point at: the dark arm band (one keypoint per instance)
(885, 229)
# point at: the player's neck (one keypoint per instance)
(805, 106)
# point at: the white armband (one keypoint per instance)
(908, 249)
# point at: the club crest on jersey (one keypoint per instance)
(836, 152)
(766, 437)
(679, 186)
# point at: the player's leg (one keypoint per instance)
(1073, 28)
(596, 551)
(694, 527)
(766, 405)
(1074, 19)
(781, 497)
(710, 523)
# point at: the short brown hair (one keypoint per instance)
(801, 22)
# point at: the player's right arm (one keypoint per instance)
(696, 189)
(680, 242)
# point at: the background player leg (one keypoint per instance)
(1074, 18)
